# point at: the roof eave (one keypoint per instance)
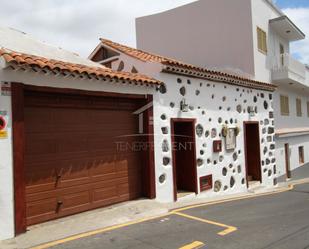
(300, 34)
(96, 49)
(237, 81)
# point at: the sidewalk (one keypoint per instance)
(118, 214)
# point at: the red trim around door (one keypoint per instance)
(193, 122)
(246, 150)
(18, 157)
(18, 91)
(150, 189)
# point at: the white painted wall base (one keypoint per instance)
(294, 142)
(6, 175)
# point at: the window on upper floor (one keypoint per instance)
(284, 105)
(307, 108)
(262, 40)
(298, 107)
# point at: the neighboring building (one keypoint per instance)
(250, 38)
(61, 117)
(227, 121)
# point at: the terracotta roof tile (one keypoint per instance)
(175, 66)
(20, 59)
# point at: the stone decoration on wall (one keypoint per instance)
(182, 91)
(199, 130)
(213, 105)
(162, 178)
(165, 147)
(217, 186)
(162, 89)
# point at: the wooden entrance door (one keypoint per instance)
(184, 154)
(252, 151)
(287, 160)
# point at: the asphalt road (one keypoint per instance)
(274, 221)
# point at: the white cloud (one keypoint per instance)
(300, 16)
(76, 25)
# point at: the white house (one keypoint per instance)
(227, 120)
(61, 117)
(250, 38)
(76, 135)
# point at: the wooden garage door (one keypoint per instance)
(79, 155)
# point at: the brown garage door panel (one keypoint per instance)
(105, 193)
(41, 209)
(75, 201)
(45, 178)
(36, 192)
(73, 160)
(62, 145)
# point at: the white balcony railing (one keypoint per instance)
(286, 68)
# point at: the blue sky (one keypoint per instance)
(298, 12)
(292, 3)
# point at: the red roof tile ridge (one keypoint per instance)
(124, 48)
(147, 56)
(42, 62)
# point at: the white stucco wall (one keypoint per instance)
(292, 120)
(146, 68)
(6, 175)
(6, 164)
(200, 103)
(294, 143)
(206, 33)
(204, 102)
(261, 14)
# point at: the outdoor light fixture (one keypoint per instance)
(184, 107)
(251, 111)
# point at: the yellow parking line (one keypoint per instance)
(194, 245)
(95, 232)
(228, 229)
(290, 187)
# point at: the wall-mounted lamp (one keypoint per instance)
(184, 107)
(251, 111)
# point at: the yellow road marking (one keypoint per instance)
(290, 187)
(95, 232)
(194, 245)
(228, 229)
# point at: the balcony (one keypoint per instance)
(286, 29)
(288, 70)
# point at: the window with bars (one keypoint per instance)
(262, 40)
(298, 107)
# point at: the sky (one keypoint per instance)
(77, 25)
